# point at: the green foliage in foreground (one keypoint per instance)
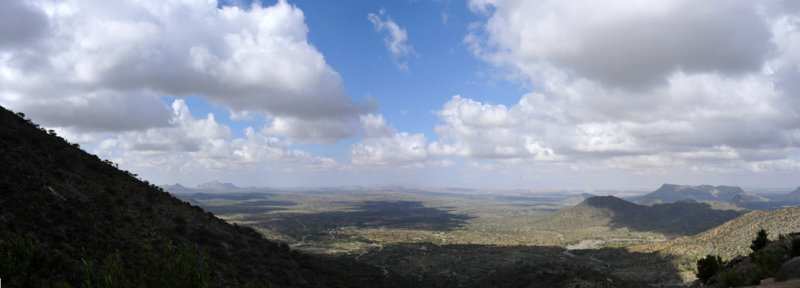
(23, 263)
(767, 260)
(184, 266)
(708, 267)
(108, 275)
(187, 266)
(731, 279)
(769, 264)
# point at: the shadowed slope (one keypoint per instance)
(731, 238)
(77, 206)
(673, 219)
(672, 193)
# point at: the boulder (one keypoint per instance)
(734, 262)
(790, 269)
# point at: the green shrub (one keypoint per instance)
(23, 263)
(707, 267)
(796, 247)
(182, 265)
(769, 264)
(731, 279)
(110, 274)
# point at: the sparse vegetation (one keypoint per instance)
(669, 220)
(729, 239)
(764, 262)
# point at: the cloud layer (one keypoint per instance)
(382, 145)
(635, 85)
(627, 44)
(647, 87)
(97, 60)
(191, 145)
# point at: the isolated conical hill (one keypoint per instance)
(594, 211)
(731, 238)
(671, 219)
(76, 207)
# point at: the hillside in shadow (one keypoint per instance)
(733, 237)
(432, 265)
(69, 218)
(671, 219)
(406, 215)
(398, 215)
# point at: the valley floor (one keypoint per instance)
(452, 237)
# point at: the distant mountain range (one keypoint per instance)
(216, 185)
(673, 219)
(725, 197)
(672, 193)
(210, 186)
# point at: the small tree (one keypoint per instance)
(760, 241)
(708, 267)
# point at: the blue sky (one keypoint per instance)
(480, 93)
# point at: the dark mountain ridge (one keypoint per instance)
(668, 193)
(74, 207)
(672, 219)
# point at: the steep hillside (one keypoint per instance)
(732, 238)
(72, 209)
(673, 193)
(672, 219)
(794, 195)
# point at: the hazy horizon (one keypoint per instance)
(600, 191)
(485, 94)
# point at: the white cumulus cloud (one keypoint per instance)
(636, 84)
(382, 145)
(191, 145)
(82, 56)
